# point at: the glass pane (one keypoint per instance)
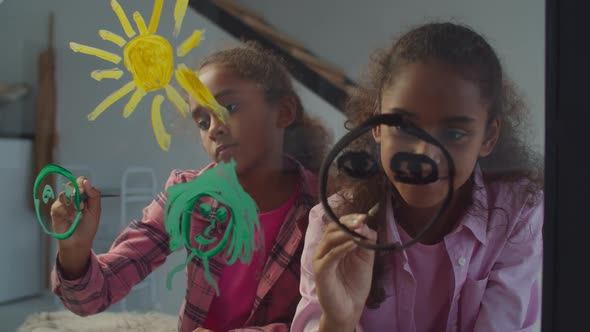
(436, 140)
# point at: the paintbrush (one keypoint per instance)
(84, 197)
(373, 211)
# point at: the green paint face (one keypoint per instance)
(239, 238)
(220, 217)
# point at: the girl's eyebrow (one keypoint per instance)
(456, 119)
(404, 112)
(197, 111)
(459, 119)
(223, 93)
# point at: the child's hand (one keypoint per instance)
(63, 213)
(343, 272)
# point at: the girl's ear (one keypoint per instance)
(492, 135)
(376, 130)
(377, 134)
(287, 112)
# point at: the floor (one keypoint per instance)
(13, 314)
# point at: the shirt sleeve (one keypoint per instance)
(137, 251)
(512, 299)
(309, 311)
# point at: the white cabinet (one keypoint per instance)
(21, 262)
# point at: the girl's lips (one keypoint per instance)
(223, 150)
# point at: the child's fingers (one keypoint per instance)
(61, 216)
(331, 240)
(62, 198)
(80, 181)
(91, 191)
(357, 222)
(67, 196)
(351, 221)
(334, 236)
(354, 221)
(370, 234)
(335, 255)
(93, 201)
(67, 202)
(58, 211)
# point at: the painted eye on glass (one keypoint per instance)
(357, 164)
(221, 214)
(205, 209)
(48, 194)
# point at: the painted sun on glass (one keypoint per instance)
(149, 58)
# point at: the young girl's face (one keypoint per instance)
(253, 131)
(436, 98)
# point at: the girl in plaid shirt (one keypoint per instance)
(276, 146)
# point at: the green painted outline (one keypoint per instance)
(52, 168)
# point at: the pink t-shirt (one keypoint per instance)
(239, 281)
(433, 272)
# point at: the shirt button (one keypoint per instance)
(461, 261)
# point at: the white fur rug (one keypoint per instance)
(65, 321)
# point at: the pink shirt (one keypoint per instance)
(239, 281)
(434, 283)
(496, 259)
(144, 246)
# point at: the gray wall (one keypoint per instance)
(345, 31)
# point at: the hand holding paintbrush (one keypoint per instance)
(70, 191)
(343, 270)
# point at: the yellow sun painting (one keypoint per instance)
(149, 58)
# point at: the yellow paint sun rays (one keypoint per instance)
(149, 58)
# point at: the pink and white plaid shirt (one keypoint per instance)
(496, 256)
(143, 246)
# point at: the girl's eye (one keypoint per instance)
(399, 132)
(231, 107)
(454, 134)
(203, 124)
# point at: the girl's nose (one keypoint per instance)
(217, 129)
(429, 150)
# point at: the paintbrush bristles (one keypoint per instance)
(373, 211)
